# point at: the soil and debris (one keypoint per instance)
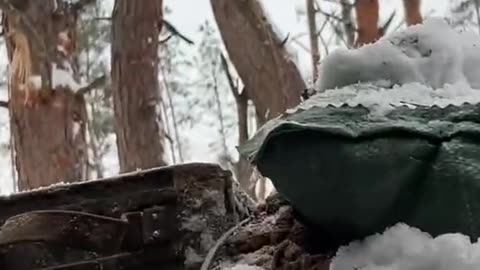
(274, 239)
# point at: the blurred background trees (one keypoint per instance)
(172, 97)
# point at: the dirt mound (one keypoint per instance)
(274, 239)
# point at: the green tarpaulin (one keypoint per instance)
(354, 175)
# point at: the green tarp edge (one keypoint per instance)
(434, 123)
(421, 138)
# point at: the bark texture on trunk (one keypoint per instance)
(271, 79)
(312, 29)
(347, 22)
(412, 11)
(136, 90)
(48, 124)
(367, 21)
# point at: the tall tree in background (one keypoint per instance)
(93, 39)
(347, 22)
(271, 79)
(176, 102)
(312, 29)
(367, 21)
(136, 27)
(216, 98)
(412, 11)
(47, 109)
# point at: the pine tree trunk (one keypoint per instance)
(312, 29)
(47, 121)
(347, 22)
(271, 79)
(412, 11)
(367, 21)
(136, 90)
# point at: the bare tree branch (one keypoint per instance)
(241, 100)
(4, 104)
(338, 32)
(166, 131)
(301, 45)
(336, 2)
(231, 83)
(385, 26)
(98, 82)
(172, 111)
(330, 15)
(175, 32)
(284, 41)
(324, 43)
(102, 19)
(322, 27)
(165, 40)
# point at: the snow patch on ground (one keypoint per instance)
(243, 267)
(405, 248)
(192, 257)
(195, 223)
(432, 53)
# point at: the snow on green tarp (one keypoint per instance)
(401, 146)
(354, 171)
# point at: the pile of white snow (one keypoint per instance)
(405, 248)
(424, 65)
(242, 267)
(433, 54)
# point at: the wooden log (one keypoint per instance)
(107, 189)
(70, 229)
(150, 258)
(174, 215)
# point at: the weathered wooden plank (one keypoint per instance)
(67, 228)
(124, 202)
(173, 212)
(77, 193)
(150, 258)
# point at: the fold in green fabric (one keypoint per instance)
(353, 175)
